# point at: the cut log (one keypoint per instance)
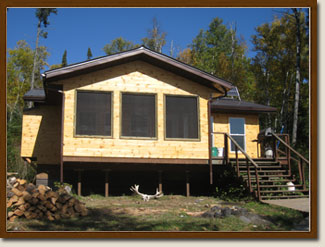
(18, 212)
(20, 201)
(42, 189)
(16, 192)
(30, 188)
(10, 214)
(12, 218)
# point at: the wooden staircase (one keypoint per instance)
(272, 180)
(267, 178)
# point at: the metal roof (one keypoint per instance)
(147, 55)
(234, 105)
(36, 94)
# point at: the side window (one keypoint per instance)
(181, 118)
(237, 131)
(93, 113)
(138, 115)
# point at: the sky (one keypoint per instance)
(76, 29)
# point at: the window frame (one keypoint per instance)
(121, 118)
(198, 139)
(244, 135)
(75, 135)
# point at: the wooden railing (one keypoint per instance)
(299, 160)
(248, 159)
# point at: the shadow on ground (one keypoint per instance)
(103, 219)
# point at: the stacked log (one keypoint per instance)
(31, 202)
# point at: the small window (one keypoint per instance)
(93, 113)
(237, 131)
(138, 115)
(182, 117)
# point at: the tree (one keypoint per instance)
(275, 68)
(64, 59)
(89, 54)
(19, 68)
(185, 56)
(119, 45)
(156, 39)
(222, 53)
(297, 14)
(42, 15)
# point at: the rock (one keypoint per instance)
(225, 212)
(215, 209)
(245, 219)
(208, 214)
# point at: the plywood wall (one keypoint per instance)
(138, 77)
(221, 124)
(41, 134)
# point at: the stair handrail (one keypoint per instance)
(290, 148)
(239, 147)
(248, 158)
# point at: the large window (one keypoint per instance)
(182, 117)
(138, 115)
(237, 131)
(93, 113)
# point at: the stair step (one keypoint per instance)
(266, 176)
(284, 197)
(257, 162)
(261, 167)
(274, 186)
(253, 170)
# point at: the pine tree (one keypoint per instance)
(64, 59)
(42, 15)
(89, 54)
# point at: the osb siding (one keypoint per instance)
(139, 77)
(41, 134)
(221, 124)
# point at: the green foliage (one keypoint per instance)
(19, 69)
(222, 53)
(119, 45)
(275, 72)
(42, 15)
(89, 54)
(60, 187)
(64, 59)
(229, 187)
(156, 39)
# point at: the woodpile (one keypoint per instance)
(31, 202)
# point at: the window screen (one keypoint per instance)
(237, 131)
(138, 115)
(93, 116)
(181, 117)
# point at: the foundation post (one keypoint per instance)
(160, 180)
(107, 182)
(187, 183)
(79, 181)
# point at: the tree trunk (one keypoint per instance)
(297, 83)
(32, 82)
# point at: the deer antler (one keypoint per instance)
(146, 197)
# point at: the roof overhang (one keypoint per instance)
(144, 54)
(237, 106)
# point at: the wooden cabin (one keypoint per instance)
(136, 117)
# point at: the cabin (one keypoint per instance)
(136, 117)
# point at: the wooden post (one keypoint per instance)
(160, 180)
(187, 183)
(79, 182)
(237, 163)
(62, 136)
(107, 182)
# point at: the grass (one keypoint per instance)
(169, 213)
